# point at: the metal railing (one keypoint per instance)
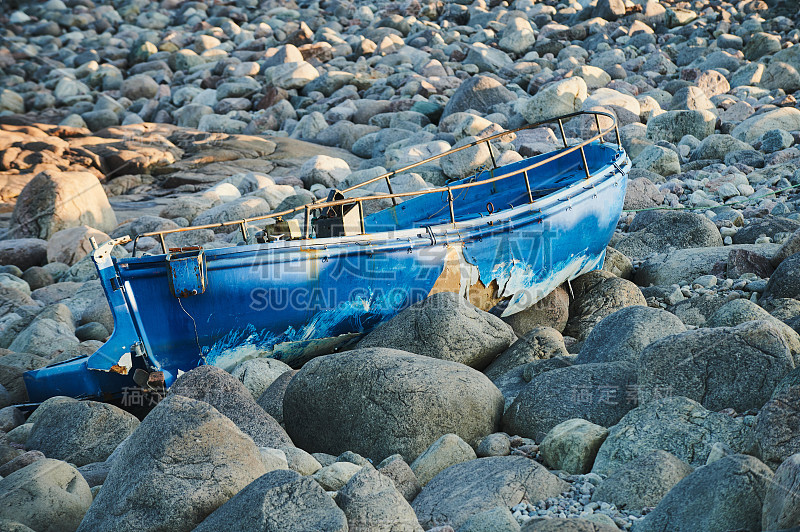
(323, 204)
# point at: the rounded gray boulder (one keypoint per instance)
(727, 367)
(378, 402)
(624, 334)
(444, 326)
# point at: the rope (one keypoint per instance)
(773, 193)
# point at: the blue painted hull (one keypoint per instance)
(297, 299)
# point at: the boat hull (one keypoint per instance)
(297, 299)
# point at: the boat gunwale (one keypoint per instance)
(322, 204)
(443, 233)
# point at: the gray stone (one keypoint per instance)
(334, 476)
(599, 294)
(657, 231)
(272, 398)
(785, 281)
(498, 519)
(80, 432)
(258, 374)
(781, 509)
(444, 326)
(48, 496)
(598, 393)
(554, 100)
(401, 474)
(642, 482)
(275, 502)
(642, 194)
(724, 495)
(54, 200)
(469, 488)
(443, 453)
(538, 344)
(498, 444)
(551, 311)
(618, 264)
(718, 147)
(196, 459)
(572, 446)
(674, 424)
(672, 126)
(467, 161)
(778, 427)
(729, 367)
(624, 334)
(480, 93)
(139, 86)
(325, 170)
(23, 252)
(684, 265)
(786, 118)
(370, 501)
(20, 461)
(347, 402)
(230, 397)
(658, 159)
(566, 525)
(767, 226)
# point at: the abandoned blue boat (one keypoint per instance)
(321, 275)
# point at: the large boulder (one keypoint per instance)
(642, 482)
(46, 496)
(750, 130)
(371, 502)
(599, 393)
(468, 488)
(228, 395)
(623, 335)
(23, 252)
(272, 398)
(674, 424)
(80, 432)
(554, 100)
(727, 367)
(781, 509)
(183, 462)
(672, 126)
(724, 495)
(348, 402)
(279, 501)
(683, 266)
(71, 245)
(540, 343)
(564, 524)
(785, 281)
(480, 93)
(599, 294)
(778, 427)
(656, 231)
(765, 227)
(444, 326)
(54, 200)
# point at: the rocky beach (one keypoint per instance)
(659, 393)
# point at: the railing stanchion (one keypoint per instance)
(563, 135)
(585, 165)
(163, 242)
(491, 154)
(361, 215)
(389, 187)
(528, 186)
(243, 227)
(616, 130)
(450, 202)
(307, 228)
(599, 129)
